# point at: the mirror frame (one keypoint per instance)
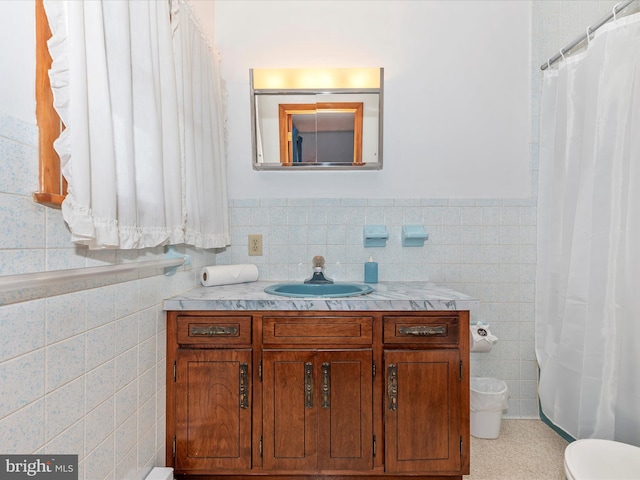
(286, 111)
(359, 163)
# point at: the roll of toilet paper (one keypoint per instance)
(480, 338)
(481, 345)
(228, 274)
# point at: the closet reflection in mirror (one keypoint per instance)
(299, 128)
(321, 133)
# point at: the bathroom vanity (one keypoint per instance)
(374, 386)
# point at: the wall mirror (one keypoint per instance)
(307, 119)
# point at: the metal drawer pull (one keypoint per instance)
(213, 331)
(308, 385)
(392, 388)
(326, 385)
(244, 385)
(422, 331)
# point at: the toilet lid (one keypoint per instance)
(592, 459)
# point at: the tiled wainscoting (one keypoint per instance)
(83, 372)
(485, 248)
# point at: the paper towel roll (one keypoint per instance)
(228, 274)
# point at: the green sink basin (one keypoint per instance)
(318, 290)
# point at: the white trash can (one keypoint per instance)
(489, 397)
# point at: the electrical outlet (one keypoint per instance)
(255, 245)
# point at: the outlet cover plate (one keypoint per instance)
(255, 245)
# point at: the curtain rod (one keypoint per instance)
(21, 281)
(578, 40)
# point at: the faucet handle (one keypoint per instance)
(318, 269)
(318, 261)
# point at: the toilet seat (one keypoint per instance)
(593, 459)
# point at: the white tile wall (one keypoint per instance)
(485, 248)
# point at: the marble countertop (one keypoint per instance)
(399, 296)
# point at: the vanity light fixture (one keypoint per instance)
(316, 78)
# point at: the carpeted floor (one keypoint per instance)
(525, 450)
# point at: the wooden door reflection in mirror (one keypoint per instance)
(320, 133)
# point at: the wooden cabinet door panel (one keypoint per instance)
(345, 430)
(289, 410)
(423, 431)
(213, 418)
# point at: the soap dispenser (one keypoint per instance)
(371, 271)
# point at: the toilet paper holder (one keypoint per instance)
(480, 337)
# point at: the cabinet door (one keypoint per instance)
(213, 415)
(289, 410)
(318, 410)
(422, 411)
(345, 429)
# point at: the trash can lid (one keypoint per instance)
(487, 385)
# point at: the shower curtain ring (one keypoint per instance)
(615, 10)
(588, 35)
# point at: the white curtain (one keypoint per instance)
(202, 113)
(588, 273)
(133, 141)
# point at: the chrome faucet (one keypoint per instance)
(318, 271)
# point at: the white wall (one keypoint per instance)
(18, 60)
(457, 92)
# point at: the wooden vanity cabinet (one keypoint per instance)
(213, 420)
(318, 394)
(422, 417)
(209, 392)
(317, 410)
(426, 410)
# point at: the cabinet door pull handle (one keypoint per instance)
(308, 385)
(244, 385)
(422, 331)
(213, 331)
(326, 385)
(392, 388)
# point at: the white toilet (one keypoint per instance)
(592, 459)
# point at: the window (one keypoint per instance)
(52, 186)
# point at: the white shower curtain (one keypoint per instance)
(132, 143)
(588, 273)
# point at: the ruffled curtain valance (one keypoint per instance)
(139, 91)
